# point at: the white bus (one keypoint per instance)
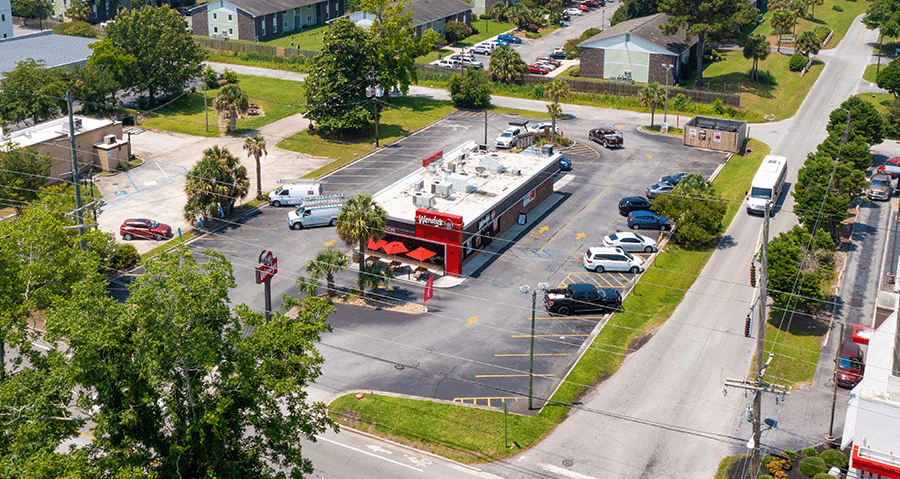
(767, 184)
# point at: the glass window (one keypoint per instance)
(215, 29)
(231, 31)
(765, 193)
(215, 16)
(229, 17)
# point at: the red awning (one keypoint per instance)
(395, 247)
(421, 254)
(862, 334)
(374, 245)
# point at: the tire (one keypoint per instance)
(296, 226)
(666, 228)
(333, 222)
(648, 249)
(157, 238)
(634, 270)
(635, 226)
(564, 311)
(599, 269)
(276, 203)
(127, 236)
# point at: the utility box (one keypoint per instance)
(715, 133)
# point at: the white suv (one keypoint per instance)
(602, 259)
(508, 138)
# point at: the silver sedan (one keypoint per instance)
(630, 242)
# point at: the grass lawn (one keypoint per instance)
(839, 22)
(473, 435)
(486, 29)
(307, 38)
(278, 99)
(796, 350)
(881, 101)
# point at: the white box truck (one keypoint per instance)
(767, 184)
(294, 193)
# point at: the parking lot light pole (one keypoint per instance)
(375, 92)
(668, 68)
(526, 289)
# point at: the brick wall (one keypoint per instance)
(200, 22)
(246, 27)
(657, 73)
(591, 63)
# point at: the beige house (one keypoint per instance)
(99, 144)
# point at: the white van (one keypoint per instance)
(602, 259)
(294, 193)
(765, 189)
(316, 211)
(448, 63)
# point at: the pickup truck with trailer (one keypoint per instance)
(581, 297)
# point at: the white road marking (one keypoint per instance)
(378, 449)
(370, 454)
(565, 472)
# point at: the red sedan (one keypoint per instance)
(582, 7)
(144, 228)
(538, 69)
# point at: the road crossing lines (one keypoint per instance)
(581, 149)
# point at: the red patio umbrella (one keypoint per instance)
(374, 245)
(395, 247)
(421, 254)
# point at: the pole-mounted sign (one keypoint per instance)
(268, 266)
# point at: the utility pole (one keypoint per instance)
(759, 386)
(205, 108)
(485, 128)
(375, 91)
(668, 67)
(531, 354)
(75, 175)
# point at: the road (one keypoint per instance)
(675, 421)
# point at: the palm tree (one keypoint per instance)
(256, 147)
(812, 4)
(214, 184)
(757, 48)
(326, 263)
(498, 12)
(555, 89)
(506, 65)
(782, 20)
(807, 43)
(652, 96)
(234, 102)
(372, 277)
(360, 220)
(798, 10)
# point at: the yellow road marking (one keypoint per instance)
(329, 243)
(509, 375)
(548, 335)
(517, 355)
(228, 239)
(267, 229)
(87, 436)
(650, 156)
(580, 235)
(471, 320)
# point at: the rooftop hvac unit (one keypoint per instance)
(461, 181)
(441, 188)
(419, 184)
(451, 167)
(490, 162)
(423, 200)
(547, 150)
(480, 170)
(515, 172)
(109, 140)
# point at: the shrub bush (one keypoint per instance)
(812, 466)
(823, 475)
(575, 71)
(837, 8)
(778, 464)
(797, 62)
(538, 91)
(810, 452)
(75, 29)
(682, 102)
(230, 77)
(835, 458)
(821, 33)
(718, 106)
(485, 16)
(765, 460)
(455, 31)
(123, 256)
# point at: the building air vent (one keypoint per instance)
(109, 140)
(442, 189)
(423, 200)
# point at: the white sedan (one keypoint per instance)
(630, 242)
(574, 11)
(545, 127)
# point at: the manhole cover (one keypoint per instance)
(121, 193)
(568, 462)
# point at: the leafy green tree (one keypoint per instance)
(360, 220)
(328, 262)
(34, 9)
(807, 43)
(256, 147)
(885, 16)
(180, 390)
(555, 89)
(708, 20)
(506, 65)
(456, 31)
(335, 89)
(79, 11)
(756, 48)
(797, 8)
(395, 44)
(889, 78)
(782, 21)
(695, 209)
(498, 12)
(96, 86)
(470, 89)
(825, 189)
(372, 277)
(75, 29)
(865, 120)
(632, 9)
(164, 57)
(32, 92)
(23, 171)
(652, 95)
(799, 264)
(214, 184)
(233, 102)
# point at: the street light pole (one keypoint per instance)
(531, 354)
(668, 67)
(830, 437)
(375, 91)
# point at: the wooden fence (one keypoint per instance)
(231, 46)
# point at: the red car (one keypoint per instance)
(592, 3)
(549, 60)
(607, 137)
(890, 167)
(538, 69)
(144, 228)
(851, 366)
(582, 7)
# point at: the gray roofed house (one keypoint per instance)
(54, 50)
(638, 50)
(427, 15)
(255, 20)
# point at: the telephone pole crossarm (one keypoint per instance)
(762, 386)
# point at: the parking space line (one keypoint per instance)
(348, 176)
(488, 399)
(549, 335)
(519, 355)
(216, 238)
(510, 375)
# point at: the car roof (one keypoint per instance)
(604, 249)
(634, 199)
(625, 234)
(880, 176)
(643, 213)
(851, 349)
(582, 287)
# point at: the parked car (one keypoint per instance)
(507, 139)
(581, 297)
(592, 3)
(648, 220)
(549, 66)
(498, 42)
(574, 11)
(483, 49)
(509, 38)
(630, 242)
(673, 179)
(555, 63)
(851, 366)
(565, 164)
(538, 69)
(545, 127)
(890, 167)
(633, 203)
(461, 57)
(558, 53)
(582, 7)
(607, 137)
(604, 258)
(657, 189)
(144, 228)
(448, 63)
(880, 187)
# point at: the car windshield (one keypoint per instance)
(764, 193)
(505, 134)
(613, 237)
(152, 224)
(629, 255)
(880, 183)
(847, 363)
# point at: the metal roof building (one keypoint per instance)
(54, 50)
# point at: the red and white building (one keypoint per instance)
(872, 425)
(457, 203)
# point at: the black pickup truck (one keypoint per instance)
(581, 297)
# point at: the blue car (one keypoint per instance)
(509, 38)
(648, 220)
(565, 164)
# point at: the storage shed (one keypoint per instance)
(715, 133)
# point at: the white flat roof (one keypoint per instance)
(479, 182)
(51, 129)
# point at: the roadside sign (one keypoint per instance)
(429, 288)
(268, 266)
